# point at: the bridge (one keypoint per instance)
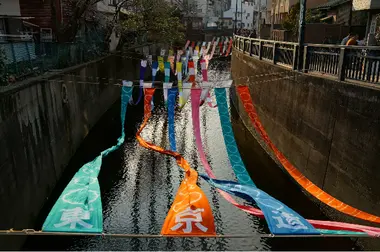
(322, 120)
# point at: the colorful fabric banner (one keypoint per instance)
(184, 65)
(154, 70)
(79, 208)
(162, 53)
(224, 46)
(195, 60)
(190, 213)
(229, 140)
(161, 65)
(143, 65)
(213, 49)
(280, 218)
(167, 71)
(229, 48)
(191, 72)
(171, 62)
(166, 86)
(171, 108)
(205, 85)
(208, 48)
(179, 55)
(187, 44)
(179, 79)
(184, 96)
(309, 186)
(150, 59)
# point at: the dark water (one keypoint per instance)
(139, 185)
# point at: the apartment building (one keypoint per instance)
(242, 13)
(279, 8)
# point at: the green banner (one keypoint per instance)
(79, 208)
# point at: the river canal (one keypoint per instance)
(139, 185)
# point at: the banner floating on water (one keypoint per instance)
(79, 208)
(281, 219)
(190, 213)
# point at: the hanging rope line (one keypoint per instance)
(32, 232)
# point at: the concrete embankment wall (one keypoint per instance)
(42, 123)
(328, 129)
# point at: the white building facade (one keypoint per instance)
(244, 16)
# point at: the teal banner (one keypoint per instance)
(79, 208)
(229, 139)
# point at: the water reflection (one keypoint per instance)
(138, 185)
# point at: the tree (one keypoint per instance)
(157, 19)
(79, 12)
(291, 21)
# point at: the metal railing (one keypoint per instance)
(22, 59)
(277, 52)
(361, 63)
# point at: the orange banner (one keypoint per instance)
(296, 174)
(190, 213)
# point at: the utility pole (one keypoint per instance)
(350, 18)
(272, 12)
(301, 33)
(241, 13)
(236, 16)
(258, 20)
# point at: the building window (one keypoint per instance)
(112, 2)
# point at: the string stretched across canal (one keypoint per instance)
(32, 232)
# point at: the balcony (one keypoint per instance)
(365, 5)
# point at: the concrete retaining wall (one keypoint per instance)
(42, 123)
(329, 130)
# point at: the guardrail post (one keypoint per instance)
(247, 47)
(261, 45)
(306, 59)
(295, 54)
(274, 53)
(250, 47)
(341, 65)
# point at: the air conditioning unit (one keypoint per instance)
(46, 34)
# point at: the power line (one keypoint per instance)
(32, 232)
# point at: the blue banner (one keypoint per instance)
(281, 219)
(171, 107)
